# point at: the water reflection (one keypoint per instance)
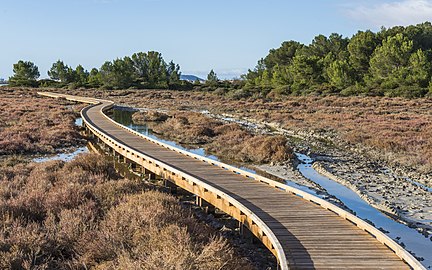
(79, 122)
(65, 156)
(62, 156)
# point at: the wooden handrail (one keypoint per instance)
(246, 211)
(379, 235)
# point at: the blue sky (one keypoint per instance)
(227, 36)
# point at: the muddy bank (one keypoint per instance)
(290, 175)
(360, 191)
(382, 187)
(396, 196)
(394, 192)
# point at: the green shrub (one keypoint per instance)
(406, 92)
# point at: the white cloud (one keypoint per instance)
(401, 12)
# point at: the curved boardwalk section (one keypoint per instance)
(301, 230)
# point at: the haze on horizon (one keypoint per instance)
(229, 36)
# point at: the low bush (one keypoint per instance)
(82, 215)
(188, 128)
(148, 116)
(33, 124)
(227, 140)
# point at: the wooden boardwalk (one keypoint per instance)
(303, 231)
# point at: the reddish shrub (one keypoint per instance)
(79, 215)
(399, 130)
(149, 116)
(33, 124)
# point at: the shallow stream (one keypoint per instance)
(418, 244)
(415, 242)
(65, 155)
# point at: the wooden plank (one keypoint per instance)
(311, 236)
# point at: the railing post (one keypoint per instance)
(207, 207)
(171, 186)
(245, 233)
(149, 175)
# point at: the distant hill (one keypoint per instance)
(190, 78)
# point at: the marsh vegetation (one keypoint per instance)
(82, 214)
(30, 124)
(229, 141)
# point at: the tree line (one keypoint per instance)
(392, 62)
(141, 70)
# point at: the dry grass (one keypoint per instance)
(228, 141)
(149, 116)
(188, 128)
(82, 215)
(396, 130)
(32, 124)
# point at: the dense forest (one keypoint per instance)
(392, 62)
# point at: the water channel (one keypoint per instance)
(64, 155)
(413, 241)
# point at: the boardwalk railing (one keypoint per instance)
(223, 200)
